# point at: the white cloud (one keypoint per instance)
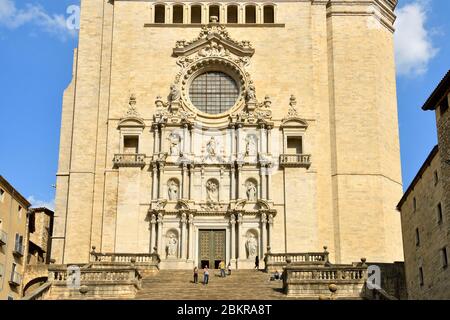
(12, 18)
(36, 203)
(414, 47)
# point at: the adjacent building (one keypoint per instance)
(425, 211)
(13, 245)
(219, 131)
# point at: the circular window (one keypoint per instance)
(213, 92)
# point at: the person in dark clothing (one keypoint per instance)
(195, 275)
(257, 263)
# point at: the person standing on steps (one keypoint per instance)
(205, 275)
(222, 269)
(229, 268)
(195, 275)
(257, 263)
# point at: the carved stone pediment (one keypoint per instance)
(213, 40)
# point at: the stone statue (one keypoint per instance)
(173, 190)
(174, 149)
(174, 93)
(250, 148)
(212, 191)
(251, 191)
(252, 245)
(251, 92)
(211, 147)
(172, 245)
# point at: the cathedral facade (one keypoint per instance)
(221, 131)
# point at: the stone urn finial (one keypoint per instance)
(363, 261)
(333, 288)
(288, 261)
(325, 248)
(84, 289)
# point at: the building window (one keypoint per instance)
(414, 204)
(214, 11)
(232, 14)
(444, 257)
(177, 15)
(436, 177)
(439, 213)
(250, 14)
(294, 145)
(269, 14)
(213, 92)
(131, 144)
(18, 246)
(421, 282)
(417, 237)
(160, 13)
(196, 14)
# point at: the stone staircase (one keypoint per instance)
(241, 285)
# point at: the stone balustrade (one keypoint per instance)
(146, 263)
(277, 261)
(95, 281)
(129, 160)
(295, 160)
(338, 281)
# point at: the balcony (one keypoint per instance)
(129, 160)
(3, 238)
(18, 250)
(295, 160)
(16, 279)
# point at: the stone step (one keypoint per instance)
(240, 285)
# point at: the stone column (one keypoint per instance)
(238, 139)
(186, 137)
(191, 237)
(183, 237)
(262, 148)
(269, 139)
(163, 138)
(263, 182)
(269, 238)
(233, 142)
(263, 235)
(153, 232)
(155, 138)
(239, 181)
(269, 181)
(185, 186)
(233, 182)
(161, 182)
(155, 181)
(160, 234)
(233, 237)
(241, 241)
(191, 180)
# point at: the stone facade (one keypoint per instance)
(13, 240)
(425, 211)
(141, 167)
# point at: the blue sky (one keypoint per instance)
(35, 67)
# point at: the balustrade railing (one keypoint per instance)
(295, 160)
(280, 260)
(129, 160)
(136, 258)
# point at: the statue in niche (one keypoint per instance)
(172, 244)
(252, 245)
(250, 148)
(174, 93)
(174, 149)
(211, 147)
(212, 191)
(172, 190)
(251, 191)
